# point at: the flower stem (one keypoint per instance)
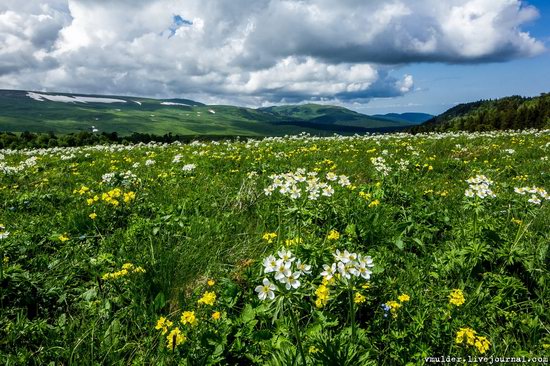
(297, 334)
(352, 314)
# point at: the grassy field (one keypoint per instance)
(386, 250)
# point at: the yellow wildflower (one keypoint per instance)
(359, 299)
(211, 283)
(208, 298)
(404, 297)
(467, 334)
(129, 196)
(269, 237)
(366, 286)
(163, 324)
(456, 297)
(93, 215)
(333, 235)
(482, 344)
(63, 238)
(216, 315)
(322, 293)
(175, 338)
(313, 349)
(188, 317)
(374, 203)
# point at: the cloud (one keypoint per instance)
(251, 51)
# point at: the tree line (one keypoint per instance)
(510, 113)
(30, 140)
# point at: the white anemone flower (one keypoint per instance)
(282, 270)
(292, 281)
(303, 268)
(286, 255)
(270, 264)
(266, 291)
(344, 270)
(329, 271)
(295, 192)
(331, 176)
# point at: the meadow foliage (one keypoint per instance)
(296, 250)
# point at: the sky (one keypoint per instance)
(371, 56)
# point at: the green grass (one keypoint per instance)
(183, 227)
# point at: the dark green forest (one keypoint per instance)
(29, 140)
(510, 113)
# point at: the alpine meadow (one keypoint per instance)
(292, 250)
(274, 182)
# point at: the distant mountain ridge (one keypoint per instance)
(514, 112)
(409, 117)
(66, 113)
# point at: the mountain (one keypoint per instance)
(513, 112)
(412, 118)
(66, 113)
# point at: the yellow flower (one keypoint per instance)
(359, 299)
(269, 237)
(211, 283)
(208, 298)
(404, 298)
(333, 235)
(90, 201)
(6, 260)
(93, 215)
(63, 238)
(216, 315)
(127, 266)
(456, 297)
(374, 203)
(313, 349)
(366, 286)
(467, 334)
(188, 317)
(482, 344)
(175, 338)
(129, 196)
(322, 293)
(163, 324)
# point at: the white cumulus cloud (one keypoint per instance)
(251, 51)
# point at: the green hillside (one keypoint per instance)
(63, 113)
(513, 112)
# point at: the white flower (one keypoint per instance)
(4, 234)
(534, 199)
(295, 192)
(149, 162)
(266, 290)
(286, 255)
(344, 270)
(303, 268)
(331, 176)
(342, 257)
(188, 167)
(363, 270)
(291, 281)
(329, 271)
(282, 270)
(269, 190)
(270, 264)
(177, 158)
(328, 191)
(343, 181)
